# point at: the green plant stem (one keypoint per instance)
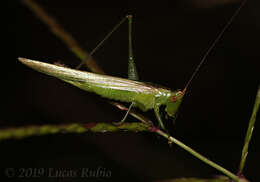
(23, 132)
(199, 156)
(249, 132)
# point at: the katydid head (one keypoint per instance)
(173, 102)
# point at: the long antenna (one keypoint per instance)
(101, 42)
(213, 45)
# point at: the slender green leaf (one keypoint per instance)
(249, 132)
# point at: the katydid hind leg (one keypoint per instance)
(132, 71)
(124, 118)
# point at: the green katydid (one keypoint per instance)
(141, 95)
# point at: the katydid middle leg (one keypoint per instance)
(158, 116)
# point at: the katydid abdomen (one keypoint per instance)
(143, 95)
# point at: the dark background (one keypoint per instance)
(169, 41)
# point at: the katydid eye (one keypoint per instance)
(173, 98)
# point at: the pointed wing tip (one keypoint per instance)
(29, 62)
(36, 65)
(24, 60)
(21, 59)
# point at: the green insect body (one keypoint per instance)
(143, 95)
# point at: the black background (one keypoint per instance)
(169, 41)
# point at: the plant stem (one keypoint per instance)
(249, 132)
(199, 156)
(23, 132)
